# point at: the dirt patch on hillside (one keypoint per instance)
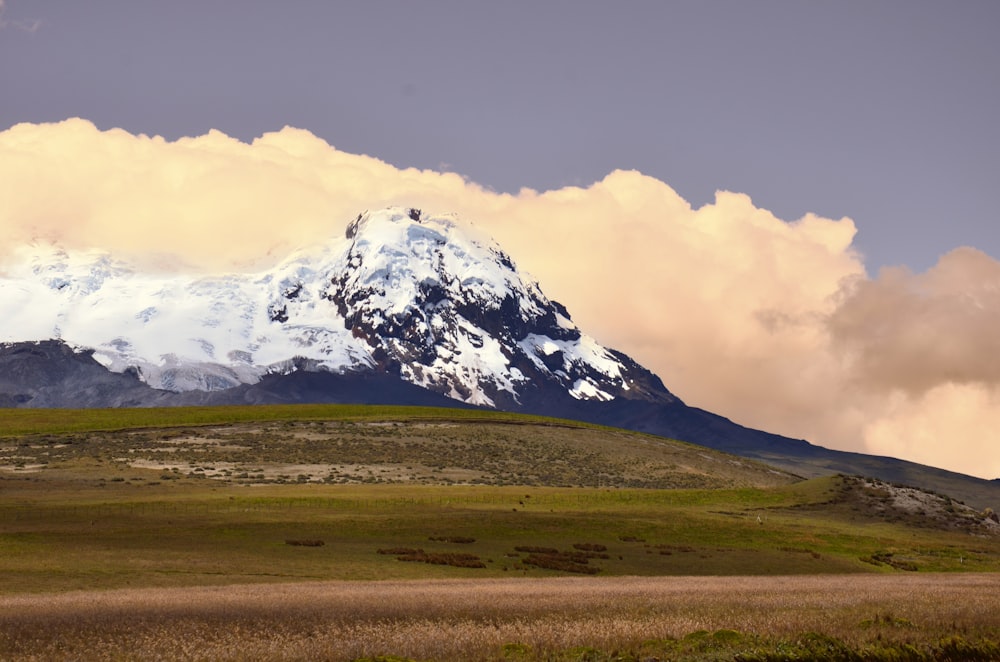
(920, 507)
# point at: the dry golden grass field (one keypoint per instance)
(900, 617)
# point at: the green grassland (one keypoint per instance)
(16, 422)
(143, 498)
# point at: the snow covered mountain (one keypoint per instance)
(422, 297)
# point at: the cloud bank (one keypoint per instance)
(774, 324)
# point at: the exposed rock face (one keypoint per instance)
(451, 313)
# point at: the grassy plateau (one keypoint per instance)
(346, 532)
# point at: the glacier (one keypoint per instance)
(424, 296)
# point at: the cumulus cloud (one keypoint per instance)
(913, 332)
(774, 324)
(949, 425)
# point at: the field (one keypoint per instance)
(911, 617)
(340, 533)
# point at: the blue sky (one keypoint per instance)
(884, 112)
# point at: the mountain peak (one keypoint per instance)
(392, 215)
(447, 309)
(426, 298)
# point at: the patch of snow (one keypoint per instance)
(586, 390)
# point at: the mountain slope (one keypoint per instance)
(52, 374)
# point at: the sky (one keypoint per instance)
(784, 209)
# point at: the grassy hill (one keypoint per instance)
(345, 445)
(99, 499)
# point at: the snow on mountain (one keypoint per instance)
(426, 298)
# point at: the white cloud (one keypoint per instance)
(772, 323)
(948, 425)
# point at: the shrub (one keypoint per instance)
(531, 549)
(397, 551)
(461, 540)
(590, 547)
(453, 559)
(563, 562)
